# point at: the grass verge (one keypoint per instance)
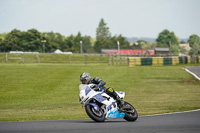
(50, 91)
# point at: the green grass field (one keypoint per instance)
(50, 91)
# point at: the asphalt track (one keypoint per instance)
(185, 122)
(195, 71)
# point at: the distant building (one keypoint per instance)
(58, 51)
(161, 51)
(187, 45)
(185, 49)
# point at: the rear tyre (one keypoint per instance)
(130, 116)
(97, 116)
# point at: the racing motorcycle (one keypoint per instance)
(99, 106)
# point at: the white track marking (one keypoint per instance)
(192, 74)
(171, 113)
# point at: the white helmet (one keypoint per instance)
(85, 78)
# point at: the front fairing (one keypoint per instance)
(89, 96)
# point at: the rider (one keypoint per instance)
(86, 79)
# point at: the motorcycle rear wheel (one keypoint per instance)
(130, 116)
(97, 116)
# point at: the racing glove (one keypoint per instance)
(95, 87)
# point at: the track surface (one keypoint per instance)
(186, 122)
(195, 71)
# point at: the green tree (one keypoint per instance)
(195, 50)
(102, 31)
(175, 50)
(11, 41)
(103, 37)
(98, 46)
(33, 41)
(87, 45)
(73, 43)
(167, 38)
(55, 41)
(70, 44)
(3, 35)
(104, 40)
(124, 44)
(194, 39)
(22, 41)
(2, 38)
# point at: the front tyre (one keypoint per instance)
(130, 115)
(95, 115)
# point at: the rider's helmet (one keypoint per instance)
(85, 78)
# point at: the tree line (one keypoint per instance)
(34, 41)
(170, 40)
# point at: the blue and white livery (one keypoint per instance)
(99, 105)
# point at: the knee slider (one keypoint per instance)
(110, 89)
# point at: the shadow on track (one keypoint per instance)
(91, 121)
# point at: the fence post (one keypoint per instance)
(37, 58)
(101, 58)
(112, 60)
(109, 60)
(54, 58)
(6, 57)
(86, 59)
(120, 60)
(23, 58)
(127, 61)
(69, 59)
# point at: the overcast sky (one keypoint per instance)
(131, 18)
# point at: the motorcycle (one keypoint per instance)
(99, 106)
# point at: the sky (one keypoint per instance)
(130, 18)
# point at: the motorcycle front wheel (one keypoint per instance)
(96, 115)
(130, 115)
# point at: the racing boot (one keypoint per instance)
(112, 93)
(120, 103)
